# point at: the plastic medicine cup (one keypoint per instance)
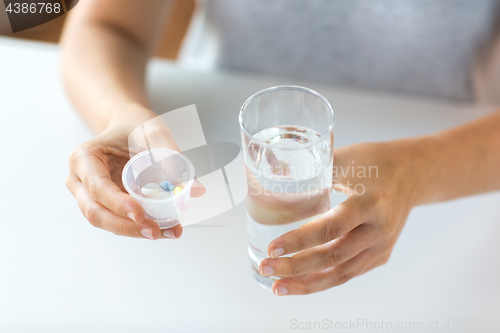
(154, 166)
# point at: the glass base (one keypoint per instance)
(265, 281)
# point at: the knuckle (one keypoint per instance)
(68, 182)
(378, 199)
(343, 276)
(333, 258)
(94, 188)
(295, 269)
(121, 229)
(74, 155)
(89, 211)
(332, 230)
(376, 205)
(301, 241)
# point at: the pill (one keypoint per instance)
(177, 190)
(167, 186)
(150, 190)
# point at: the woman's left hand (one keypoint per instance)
(357, 235)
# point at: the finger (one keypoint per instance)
(94, 175)
(101, 217)
(172, 233)
(333, 224)
(197, 189)
(378, 262)
(319, 257)
(325, 279)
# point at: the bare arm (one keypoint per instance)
(459, 162)
(105, 48)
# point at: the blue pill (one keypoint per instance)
(167, 186)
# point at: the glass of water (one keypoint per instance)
(287, 144)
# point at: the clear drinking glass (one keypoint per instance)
(287, 144)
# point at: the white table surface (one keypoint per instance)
(60, 274)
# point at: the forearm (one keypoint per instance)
(103, 73)
(458, 162)
(105, 49)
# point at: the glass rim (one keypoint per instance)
(287, 87)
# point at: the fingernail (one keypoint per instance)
(131, 216)
(169, 233)
(281, 291)
(266, 270)
(277, 252)
(147, 233)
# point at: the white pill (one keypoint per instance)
(150, 190)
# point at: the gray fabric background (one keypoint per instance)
(424, 47)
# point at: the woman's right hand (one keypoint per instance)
(95, 181)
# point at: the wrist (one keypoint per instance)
(423, 154)
(129, 116)
(142, 128)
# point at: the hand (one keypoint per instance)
(355, 236)
(95, 181)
